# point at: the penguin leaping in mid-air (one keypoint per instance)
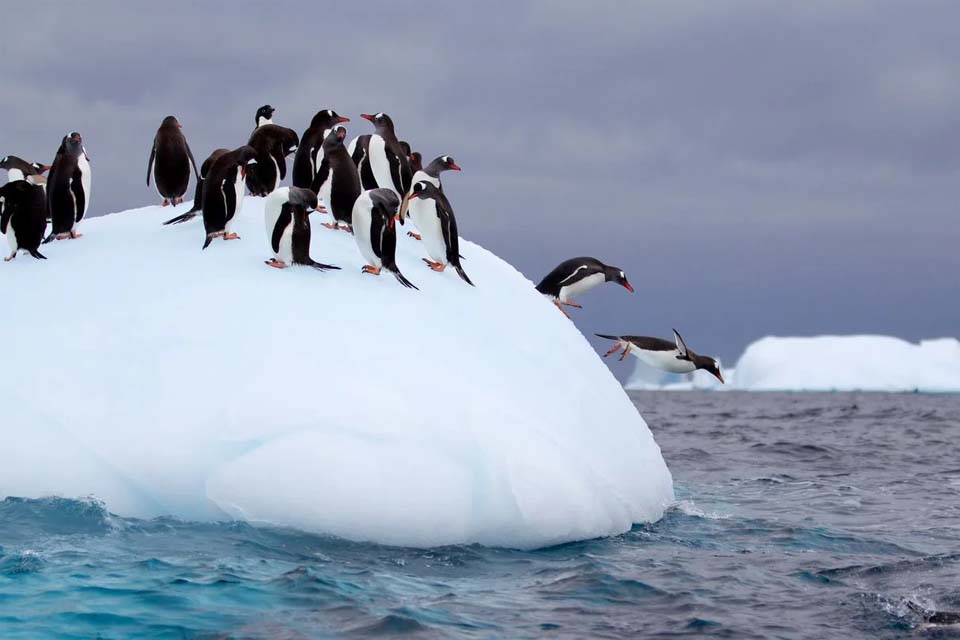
(374, 229)
(661, 354)
(220, 193)
(576, 276)
(439, 228)
(308, 162)
(68, 188)
(286, 212)
(385, 164)
(23, 217)
(430, 173)
(20, 169)
(170, 162)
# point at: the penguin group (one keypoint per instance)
(367, 186)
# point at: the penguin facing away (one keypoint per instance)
(170, 162)
(68, 188)
(439, 229)
(308, 161)
(389, 164)
(576, 276)
(220, 189)
(23, 217)
(674, 357)
(430, 173)
(374, 229)
(273, 144)
(197, 206)
(20, 169)
(286, 212)
(341, 188)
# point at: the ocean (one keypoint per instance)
(797, 516)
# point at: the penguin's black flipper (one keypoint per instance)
(600, 335)
(183, 217)
(36, 254)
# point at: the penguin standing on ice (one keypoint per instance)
(273, 144)
(661, 354)
(439, 228)
(198, 192)
(576, 276)
(286, 212)
(385, 164)
(68, 188)
(23, 217)
(20, 169)
(220, 189)
(431, 174)
(374, 229)
(308, 161)
(170, 162)
(341, 188)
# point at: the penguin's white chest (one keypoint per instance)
(11, 237)
(581, 286)
(285, 254)
(361, 231)
(14, 174)
(423, 212)
(326, 188)
(663, 360)
(379, 164)
(85, 181)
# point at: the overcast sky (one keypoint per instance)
(755, 167)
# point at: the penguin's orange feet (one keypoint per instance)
(74, 235)
(277, 264)
(612, 351)
(165, 202)
(626, 350)
(330, 225)
(436, 266)
(10, 257)
(562, 310)
(231, 236)
(63, 236)
(415, 236)
(573, 304)
(371, 270)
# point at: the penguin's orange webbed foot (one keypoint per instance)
(562, 310)
(231, 236)
(573, 304)
(277, 264)
(626, 350)
(164, 203)
(74, 235)
(10, 257)
(415, 236)
(614, 350)
(330, 225)
(371, 270)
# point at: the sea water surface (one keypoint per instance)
(798, 516)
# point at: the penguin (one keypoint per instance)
(430, 174)
(341, 188)
(170, 162)
(374, 217)
(197, 206)
(273, 144)
(385, 164)
(309, 158)
(68, 188)
(578, 275)
(286, 213)
(416, 163)
(439, 228)
(20, 169)
(23, 217)
(933, 619)
(661, 354)
(221, 190)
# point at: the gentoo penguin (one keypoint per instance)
(385, 165)
(220, 192)
(273, 144)
(198, 192)
(20, 169)
(578, 275)
(374, 218)
(170, 162)
(341, 188)
(286, 212)
(68, 188)
(416, 162)
(438, 226)
(23, 217)
(674, 356)
(431, 173)
(309, 159)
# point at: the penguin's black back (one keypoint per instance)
(269, 141)
(171, 166)
(219, 192)
(566, 273)
(25, 212)
(345, 184)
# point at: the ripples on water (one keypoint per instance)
(798, 516)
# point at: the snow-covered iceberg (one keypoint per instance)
(166, 380)
(849, 363)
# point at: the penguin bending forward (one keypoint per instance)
(578, 275)
(341, 186)
(68, 188)
(23, 217)
(439, 228)
(170, 162)
(374, 229)
(309, 160)
(198, 192)
(286, 212)
(674, 356)
(220, 193)
(20, 169)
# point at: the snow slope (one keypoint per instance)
(166, 380)
(848, 363)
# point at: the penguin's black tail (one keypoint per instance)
(36, 254)
(600, 335)
(403, 280)
(463, 274)
(207, 242)
(49, 238)
(183, 217)
(323, 267)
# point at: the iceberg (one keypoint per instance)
(166, 380)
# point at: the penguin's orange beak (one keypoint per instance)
(720, 378)
(342, 119)
(455, 166)
(627, 286)
(414, 196)
(367, 116)
(341, 133)
(44, 168)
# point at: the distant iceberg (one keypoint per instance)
(830, 363)
(163, 379)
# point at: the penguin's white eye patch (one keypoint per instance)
(329, 112)
(622, 275)
(379, 115)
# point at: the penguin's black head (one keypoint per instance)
(170, 122)
(265, 112)
(303, 197)
(334, 139)
(380, 120)
(406, 148)
(72, 144)
(245, 155)
(40, 168)
(615, 274)
(709, 365)
(424, 190)
(416, 161)
(386, 204)
(326, 119)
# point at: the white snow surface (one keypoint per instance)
(166, 380)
